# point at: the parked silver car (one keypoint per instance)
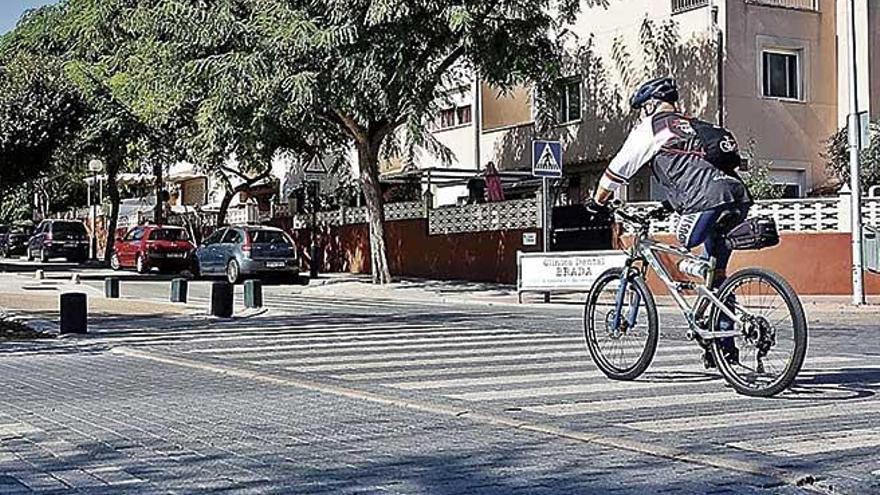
(247, 251)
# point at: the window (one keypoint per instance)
(269, 237)
(168, 235)
(781, 75)
(455, 116)
(790, 191)
(569, 108)
(215, 237)
(464, 115)
(233, 236)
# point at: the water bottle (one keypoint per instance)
(694, 268)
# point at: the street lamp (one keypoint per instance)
(858, 281)
(95, 167)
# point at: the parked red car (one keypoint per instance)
(145, 247)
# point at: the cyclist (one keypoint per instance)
(711, 201)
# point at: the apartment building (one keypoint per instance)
(782, 86)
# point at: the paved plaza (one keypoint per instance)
(419, 388)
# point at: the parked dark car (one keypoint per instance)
(249, 251)
(145, 247)
(59, 239)
(15, 242)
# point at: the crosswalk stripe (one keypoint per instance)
(482, 360)
(813, 443)
(549, 377)
(746, 418)
(413, 343)
(635, 403)
(427, 354)
(579, 389)
(330, 332)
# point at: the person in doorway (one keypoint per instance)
(682, 155)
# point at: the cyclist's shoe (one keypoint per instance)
(731, 355)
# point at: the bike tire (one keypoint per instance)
(592, 325)
(799, 334)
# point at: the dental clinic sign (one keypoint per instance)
(564, 272)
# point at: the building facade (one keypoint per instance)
(782, 85)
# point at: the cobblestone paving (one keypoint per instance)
(336, 395)
(105, 423)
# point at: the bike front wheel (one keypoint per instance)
(771, 341)
(620, 325)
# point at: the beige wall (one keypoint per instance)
(506, 109)
(788, 134)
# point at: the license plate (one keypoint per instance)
(70, 244)
(275, 264)
(176, 255)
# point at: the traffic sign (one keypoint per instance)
(547, 159)
(315, 170)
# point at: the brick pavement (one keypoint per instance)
(98, 422)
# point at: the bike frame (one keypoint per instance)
(646, 251)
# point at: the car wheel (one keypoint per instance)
(44, 256)
(114, 262)
(140, 265)
(233, 272)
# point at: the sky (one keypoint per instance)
(11, 10)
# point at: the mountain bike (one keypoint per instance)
(756, 307)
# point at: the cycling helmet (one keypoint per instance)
(662, 88)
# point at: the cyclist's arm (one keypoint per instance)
(639, 148)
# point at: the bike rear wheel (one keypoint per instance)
(772, 344)
(623, 352)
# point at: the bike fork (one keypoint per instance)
(634, 306)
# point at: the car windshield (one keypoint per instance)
(168, 235)
(269, 237)
(69, 228)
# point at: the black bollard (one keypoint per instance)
(222, 298)
(111, 288)
(74, 313)
(253, 294)
(179, 290)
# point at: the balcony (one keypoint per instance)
(809, 5)
(680, 6)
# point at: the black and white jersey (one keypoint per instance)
(668, 143)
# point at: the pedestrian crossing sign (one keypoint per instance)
(547, 159)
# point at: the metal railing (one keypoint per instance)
(812, 5)
(679, 6)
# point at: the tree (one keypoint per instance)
(837, 154)
(38, 112)
(366, 70)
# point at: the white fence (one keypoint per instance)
(485, 217)
(351, 216)
(793, 215)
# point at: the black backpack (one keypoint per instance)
(719, 145)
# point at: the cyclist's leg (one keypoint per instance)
(717, 248)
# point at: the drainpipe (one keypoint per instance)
(477, 117)
(715, 28)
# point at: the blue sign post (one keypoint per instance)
(547, 164)
(547, 159)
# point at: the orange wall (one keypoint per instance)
(814, 264)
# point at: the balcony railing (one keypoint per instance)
(679, 6)
(812, 5)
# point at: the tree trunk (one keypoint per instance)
(113, 194)
(368, 161)
(224, 207)
(159, 212)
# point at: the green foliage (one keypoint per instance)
(837, 156)
(757, 178)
